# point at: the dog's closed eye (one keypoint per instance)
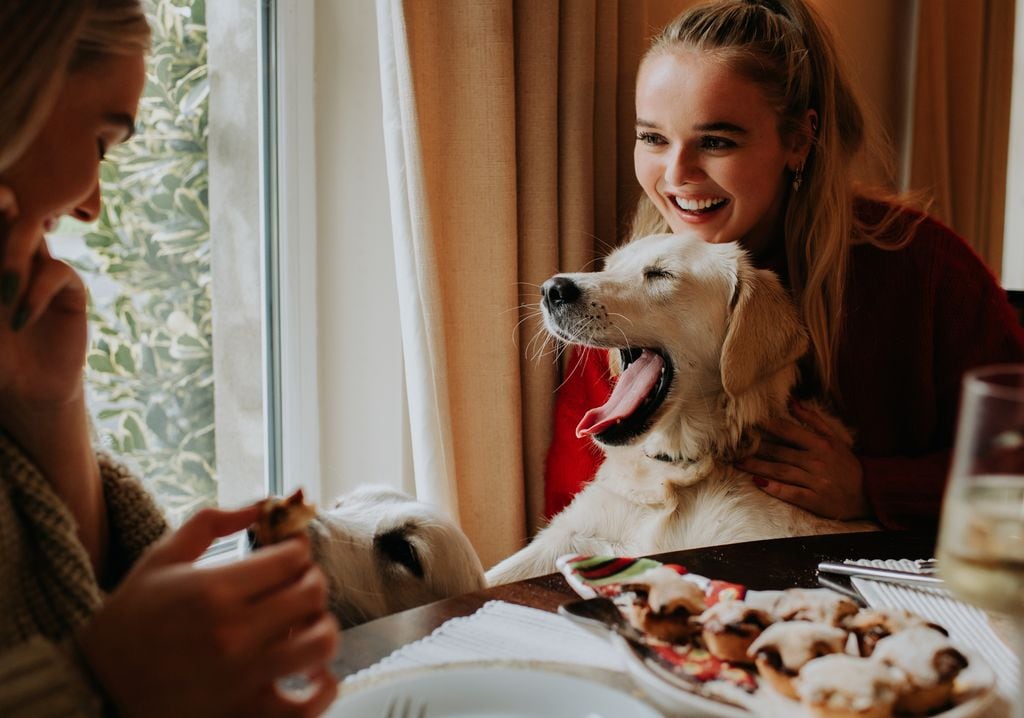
(395, 546)
(654, 272)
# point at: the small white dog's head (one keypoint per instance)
(706, 343)
(382, 551)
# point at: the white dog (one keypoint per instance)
(382, 552)
(708, 348)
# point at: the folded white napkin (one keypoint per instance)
(501, 631)
(967, 625)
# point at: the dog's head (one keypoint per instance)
(706, 344)
(382, 551)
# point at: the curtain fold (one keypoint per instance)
(502, 125)
(961, 116)
(416, 269)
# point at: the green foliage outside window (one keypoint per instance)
(150, 366)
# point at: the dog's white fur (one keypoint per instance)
(382, 551)
(733, 336)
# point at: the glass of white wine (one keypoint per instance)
(981, 539)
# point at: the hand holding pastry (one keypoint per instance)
(175, 639)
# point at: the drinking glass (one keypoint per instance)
(981, 538)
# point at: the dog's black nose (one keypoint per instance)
(560, 290)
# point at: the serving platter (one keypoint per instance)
(687, 680)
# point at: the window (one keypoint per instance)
(147, 264)
(173, 268)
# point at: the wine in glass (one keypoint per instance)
(981, 539)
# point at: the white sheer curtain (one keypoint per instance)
(416, 268)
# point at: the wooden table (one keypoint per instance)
(780, 563)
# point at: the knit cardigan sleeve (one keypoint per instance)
(47, 586)
(971, 324)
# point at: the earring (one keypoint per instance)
(798, 178)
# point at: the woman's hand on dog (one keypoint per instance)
(176, 639)
(809, 466)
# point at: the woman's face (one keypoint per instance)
(95, 109)
(708, 151)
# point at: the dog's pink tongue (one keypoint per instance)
(634, 384)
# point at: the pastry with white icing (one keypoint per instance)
(730, 627)
(664, 604)
(784, 648)
(843, 686)
(872, 625)
(813, 604)
(929, 663)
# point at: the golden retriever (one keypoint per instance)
(382, 551)
(707, 346)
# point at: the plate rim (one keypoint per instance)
(618, 681)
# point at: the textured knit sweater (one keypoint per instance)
(915, 319)
(47, 585)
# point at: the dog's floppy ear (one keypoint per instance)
(396, 547)
(764, 334)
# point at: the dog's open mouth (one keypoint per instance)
(639, 391)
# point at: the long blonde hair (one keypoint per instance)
(44, 39)
(788, 51)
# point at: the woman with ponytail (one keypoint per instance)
(748, 130)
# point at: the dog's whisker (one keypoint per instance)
(621, 316)
(535, 347)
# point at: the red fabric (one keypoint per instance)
(572, 462)
(915, 320)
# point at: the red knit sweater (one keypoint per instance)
(915, 319)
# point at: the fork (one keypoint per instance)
(405, 707)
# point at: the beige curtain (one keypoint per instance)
(509, 129)
(505, 123)
(961, 118)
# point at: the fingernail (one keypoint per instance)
(759, 482)
(20, 317)
(8, 287)
(6, 200)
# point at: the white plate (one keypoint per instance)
(500, 691)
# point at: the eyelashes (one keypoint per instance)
(649, 138)
(707, 143)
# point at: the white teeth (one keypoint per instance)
(693, 205)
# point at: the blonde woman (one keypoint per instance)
(747, 131)
(101, 610)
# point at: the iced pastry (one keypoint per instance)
(872, 625)
(813, 604)
(664, 604)
(929, 663)
(784, 648)
(730, 627)
(843, 686)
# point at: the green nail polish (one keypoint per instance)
(20, 317)
(8, 287)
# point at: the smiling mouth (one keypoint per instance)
(641, 388)
(697, 206)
